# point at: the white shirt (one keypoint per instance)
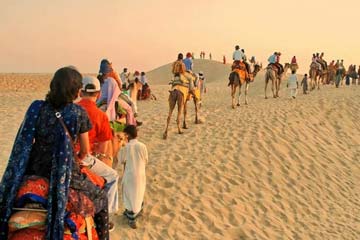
(292, 81)
(124, 76)
(238, 55)
(135, 156)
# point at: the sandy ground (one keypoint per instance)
(274, 169)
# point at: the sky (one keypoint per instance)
(41, 35)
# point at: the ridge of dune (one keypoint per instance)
(213, 70)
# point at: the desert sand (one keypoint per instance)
(274, 169)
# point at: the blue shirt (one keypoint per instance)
(188, 64)
(272, 59)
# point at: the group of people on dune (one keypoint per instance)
(60, 181)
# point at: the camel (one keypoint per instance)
(180, 95)
(318, 76)
(272, 75)
(238, 80)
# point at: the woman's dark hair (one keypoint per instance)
(64, 87)
(131, 131)
(101, 78)
(180, 56)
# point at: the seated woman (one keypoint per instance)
(43, 148)
(109, 97)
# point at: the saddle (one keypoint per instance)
(238, 65)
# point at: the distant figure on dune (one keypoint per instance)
(210, 56)
(293, 84)
(224, 59)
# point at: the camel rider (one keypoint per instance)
(238, 56)
(315, 61)
(188, 62)
(322, 61)
(272, 61)
(318, 60)
(272, 58)
(278, 64)
(181, 75)
(293, 60)
(245, 61)
(178, 66)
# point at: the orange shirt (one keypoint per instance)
(100, 131)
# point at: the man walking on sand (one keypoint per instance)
(135, 157)
(293, 84)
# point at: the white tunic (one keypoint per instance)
(292, 81)
(135, 156)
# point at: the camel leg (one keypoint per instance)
(185, 113)
(172, 104)
(266, 83)
(238, 100)
(180, 109)
(277, 87)
(272, 87)
(233, 91)
(197, 107)
(246, 92)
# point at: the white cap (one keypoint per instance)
(90, 84)
(201, 73)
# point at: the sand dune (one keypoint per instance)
(274, 169)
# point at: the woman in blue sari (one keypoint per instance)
(42, 148)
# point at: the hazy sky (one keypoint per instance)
(43, 35)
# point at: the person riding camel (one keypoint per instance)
(178, 66)
(318, 60)
(272, 58)
(188, 62)
(278, 64)
(181, 75)
(245, 62)
(322, 61)
(274, 61)
(294, 65)
(239, 66)
(238, 56)
(314, 61)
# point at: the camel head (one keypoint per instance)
(257, 69)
